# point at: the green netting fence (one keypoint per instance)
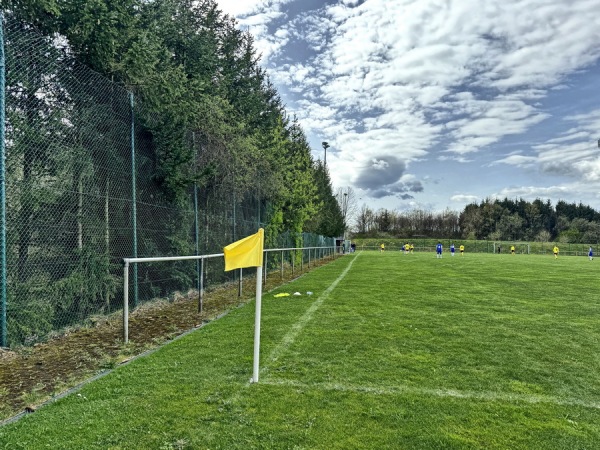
(79, 196)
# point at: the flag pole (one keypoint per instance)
(249, 252)
(257, 323)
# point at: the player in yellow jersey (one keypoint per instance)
(555, 251)
(412, 248)
(462, 250)
(512, 249)
(382, 247)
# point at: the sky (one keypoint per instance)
(434, 104)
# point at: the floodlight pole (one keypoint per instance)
(325, 147)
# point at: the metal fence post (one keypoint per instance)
(233, 220)
(258, 209)
(126, 301)
(3, 332)
(201, 292)
(196, 236)
(266, 267)
(133, 203)
(196, 223)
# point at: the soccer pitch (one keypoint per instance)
(390, 351)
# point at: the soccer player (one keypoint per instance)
(451, 249)
(382, 247)
(555, 251)
(438, 250)
(462, 250)
(512, 249)
(406, 248)
(412, 248)
(591, 253)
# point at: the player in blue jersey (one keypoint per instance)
(451, 249)
(438, 250)
(591, 253)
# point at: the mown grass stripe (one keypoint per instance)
(297, 328)
(450, 393)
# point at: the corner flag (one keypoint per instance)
(247, 252)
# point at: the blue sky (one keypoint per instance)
(437, 103)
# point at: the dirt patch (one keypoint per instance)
(31, 375)
(6, 355)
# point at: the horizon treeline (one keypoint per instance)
(195, 72)
(491, 219)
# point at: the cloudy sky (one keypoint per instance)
(438, 103)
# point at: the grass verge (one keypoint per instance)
(390, 351)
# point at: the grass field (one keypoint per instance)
(391, 351)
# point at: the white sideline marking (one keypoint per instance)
(442, 393)
(291, 336)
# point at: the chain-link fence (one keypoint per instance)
(80, 196)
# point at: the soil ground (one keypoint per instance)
(29, 376)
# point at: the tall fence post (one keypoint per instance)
(3, 333)
(196, 223)
(133, 203)
(234, 219)
(126, 301)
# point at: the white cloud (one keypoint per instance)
(236, 8)
(517, 160)
(533, 192)
(464, 198)
(575, 135)
(433, 81)
(572, 154)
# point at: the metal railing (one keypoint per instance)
(315, 252)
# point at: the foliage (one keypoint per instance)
(496, 220)
(329, 221)
(86, 289)
(32, 311)
(208, 124)
(413, 223)
(523, 220)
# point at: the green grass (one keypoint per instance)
(395, 351)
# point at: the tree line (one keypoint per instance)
(191, 66)
(492, 219)
(210, 131)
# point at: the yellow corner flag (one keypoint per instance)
(247, 252)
